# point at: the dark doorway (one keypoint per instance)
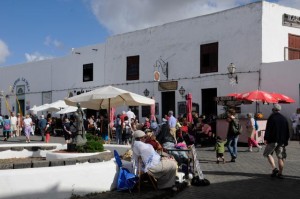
(167, 102)
(209, 106)
(22, 105)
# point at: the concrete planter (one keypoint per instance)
(59, 178)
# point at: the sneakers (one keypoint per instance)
(233, 159)
(174, 189)
(259, 148)
(275, 172)
(250, 149)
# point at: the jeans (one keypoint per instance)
(119, 135)
(42, 131)
(232, 145)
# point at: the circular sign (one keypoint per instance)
(156, 76)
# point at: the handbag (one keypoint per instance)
(237, 130)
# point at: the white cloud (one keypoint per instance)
(4, 52)
(120, 16)
(53, 42)
(36, 56)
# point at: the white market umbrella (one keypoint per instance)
(69, 109)
(107, 97)
(33, 108)
(41, 108)
(56, 106)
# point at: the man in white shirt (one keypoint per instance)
(13, 124)
(172, 123)
(130, 115)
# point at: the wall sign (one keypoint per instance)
(291, 20)
(21, 79)
(166, 86)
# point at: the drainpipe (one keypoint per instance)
(259, 85)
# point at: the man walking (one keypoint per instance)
(276, 139)
(172, 123)
(42, 125)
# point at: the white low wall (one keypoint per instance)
(120, 148)
(60, 182)
(25, 153)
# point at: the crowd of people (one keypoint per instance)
(277, 135)
(15, 125)
(165, 136)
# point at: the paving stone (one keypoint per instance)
(54, 163)
(5, 148)
(22, 165)
(17, 148)
(6, 166)
(36, 164)
(94, 160)
(48, 147)
(82, 159)
(70, 161)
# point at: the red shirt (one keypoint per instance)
(185, 129)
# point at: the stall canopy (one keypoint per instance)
(282, 98)
(258, 96)
(53, 107)
(107, 97)
(262, 96)
(69, 109)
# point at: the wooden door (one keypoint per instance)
(294, 47)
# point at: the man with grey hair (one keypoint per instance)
(172, 123)
(276, 139)
(42, 126)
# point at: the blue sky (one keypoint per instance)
(32, 30)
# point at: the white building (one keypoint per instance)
(258, 38)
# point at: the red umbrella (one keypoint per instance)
(258, 96)
(152, 111)
(282, 98)
(236, 95)
(189, 105)
(111, 117)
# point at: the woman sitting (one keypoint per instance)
(162, 168)
(151, 139)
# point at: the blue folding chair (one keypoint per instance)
(126, 179)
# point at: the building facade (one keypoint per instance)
(262, 39)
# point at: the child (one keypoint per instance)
(220, 149)
(48, 130)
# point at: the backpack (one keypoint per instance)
(256, 125)
(6, 126)
(117, 122)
